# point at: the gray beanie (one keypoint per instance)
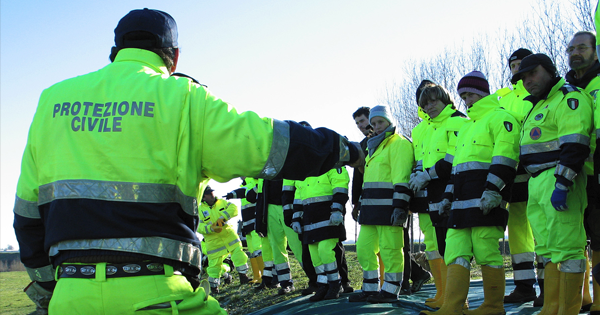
(381, 111)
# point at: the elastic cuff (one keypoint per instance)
(563, 181)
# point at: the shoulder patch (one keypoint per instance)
(508, 125)
(573, 103)
(179, 74)
(568, 88)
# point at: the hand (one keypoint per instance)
(336, 218)
(215, 228)
(420, 180)
(229, 196)
(446, 206)
(355, 210)
(297, 227)
(399, 217)
(490, 199)
(361, 156)
(40, 296)
(559, 197)
(412, 175)
(221, 221)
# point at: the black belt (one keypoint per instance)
(112, 270)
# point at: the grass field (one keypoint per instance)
(235, 298)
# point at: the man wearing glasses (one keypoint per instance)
(584, 74)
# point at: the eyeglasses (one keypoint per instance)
(581, 47)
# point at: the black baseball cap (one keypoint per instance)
(156, 22)
(519, 54)
(208, 190)
(531, 62)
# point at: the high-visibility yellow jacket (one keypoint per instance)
(556, 133)
(215, 242)
(419, 134)
(116, 158)
(385, 187)
(486, 155)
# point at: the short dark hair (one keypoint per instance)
(435, 92)
(591, 35)
(362, 111)
(147, 41)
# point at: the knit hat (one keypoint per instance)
(422, 86)
(381, 111)
(519, 54)
(531, 62)
(156, 22)
(474, 82)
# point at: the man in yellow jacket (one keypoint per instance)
(555, 142)
(221, 238)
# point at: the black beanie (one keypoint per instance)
(423, 84)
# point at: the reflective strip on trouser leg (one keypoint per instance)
(268, 270)
(520, 239)
(430, 238)
(559, 235)
(128, 295)
(283, 272)
(239, 257)
(214, 282)
(321, 277)
(392, 282)
(370, 281)
(277, 237)
(572, 266)
(481, 242)
(331, 271)
(322, 254)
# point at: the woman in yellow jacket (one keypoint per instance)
(384, 209)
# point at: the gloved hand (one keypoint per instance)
(412, 175)
(355, 210)
(215, 228)
(399, 217)
(559, 197)
(40, 297)
(221, 221)
(336, 218)
(420, 180)
(297, 227)
(229, 196)
(446, 206)
(490, 199)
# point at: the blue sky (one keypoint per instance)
(302, 60)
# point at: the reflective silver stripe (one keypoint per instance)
(402, 196)
(242, 269)
(288, 207)
(27, 209)
(340, 190)
(497, 181)
(333, 276)
(227, 215)
(539, 147)
(473, 203)
(522, 178)
(449, 158)
(207, 229)
(598, 133)
(421, 193)
(330, 266)
(308, 201)
(545, 260)
(404, 185)
(534, 168)
(248, 205)
(523, 257)
(435, 207)
(282, 266)
(298, 214)
(395, 277)
(495, 266)
(213, 282)
(503, 160)
(210, 252)
(377, 202)
(297, 201)
(461, 261)
(449, 188)
(572, 266)
(433, 173)
(288, 188)
(565, 172)
(433, 255)
(471, 166)
(117, 191)
(574, 138)
(337, 206)
(387, 185)
(269, 264)
(41, 274)
(419, 165)
(322, 279)
(372, 274)
(315, 226)
(370, 287)
(267, 273)
(237, 240)
(388, 287)
(279, 150)
(540, 273)
(153, 246)
(524, 274)
(320, 269)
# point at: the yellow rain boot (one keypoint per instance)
(551, 289)
(570, 293)
(455, 293)
(595, 309)
(587, 298)
(256, 272)
(493, 292)
(261, 266)
(439, 270)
